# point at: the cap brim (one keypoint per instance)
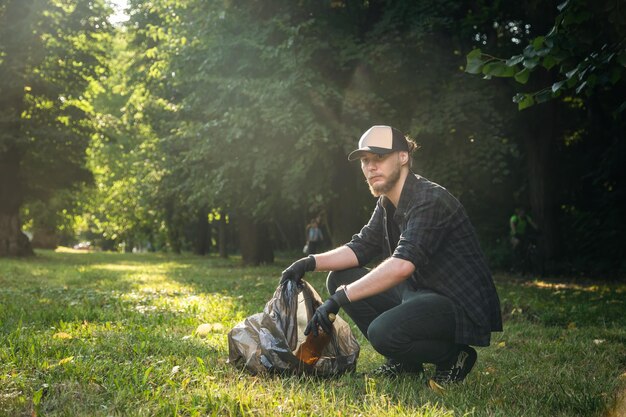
(356, 154)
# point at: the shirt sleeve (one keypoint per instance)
(367, 244)
(427, 225)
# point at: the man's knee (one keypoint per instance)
(337, 278)
(379, 337)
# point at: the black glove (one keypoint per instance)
(296, 271)
(321, 316)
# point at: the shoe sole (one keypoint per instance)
(472, 356)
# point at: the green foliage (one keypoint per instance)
(585, 49)
(122, 207)
(56, 216)
(50, 54)
(249, 109)
(242, 131)
(255, 109)
(252, 110)
(567, 65)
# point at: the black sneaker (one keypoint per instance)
(393, 368)
(456, 370)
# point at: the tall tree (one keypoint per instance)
(260, 104)
(123, 207)
(573, 68)
(245, 134)
(50, 52)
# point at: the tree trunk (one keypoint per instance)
(45, 238)
(222, 240)
(173, 232)
(344, 214)
(202, 238)
(254, 242)
(540, 145)
(12, 241)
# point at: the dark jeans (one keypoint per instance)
(410, 326)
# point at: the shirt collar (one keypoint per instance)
(406, 196)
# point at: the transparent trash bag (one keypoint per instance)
(267, 341)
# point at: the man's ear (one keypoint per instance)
(404, 158)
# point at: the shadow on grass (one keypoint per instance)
(574, 303)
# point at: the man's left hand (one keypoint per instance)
(321, 316)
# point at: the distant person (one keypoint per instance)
(519, 225)
(314, 237)
(433, 295)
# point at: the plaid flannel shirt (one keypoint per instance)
(431, 229)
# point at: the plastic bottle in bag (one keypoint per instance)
(311, 349)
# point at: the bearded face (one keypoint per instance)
(382, 172)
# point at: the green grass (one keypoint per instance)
(99, 334)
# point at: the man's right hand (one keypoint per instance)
(296, 270)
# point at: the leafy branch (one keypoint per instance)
(583, 58)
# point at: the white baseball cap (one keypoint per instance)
(380, 140)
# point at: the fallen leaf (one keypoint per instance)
(502, 344)
(436, 387)
(203, 330)
(66, 360)
(571, 325)
(206, 328)
(598, 341)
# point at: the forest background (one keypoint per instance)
(224, 126)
